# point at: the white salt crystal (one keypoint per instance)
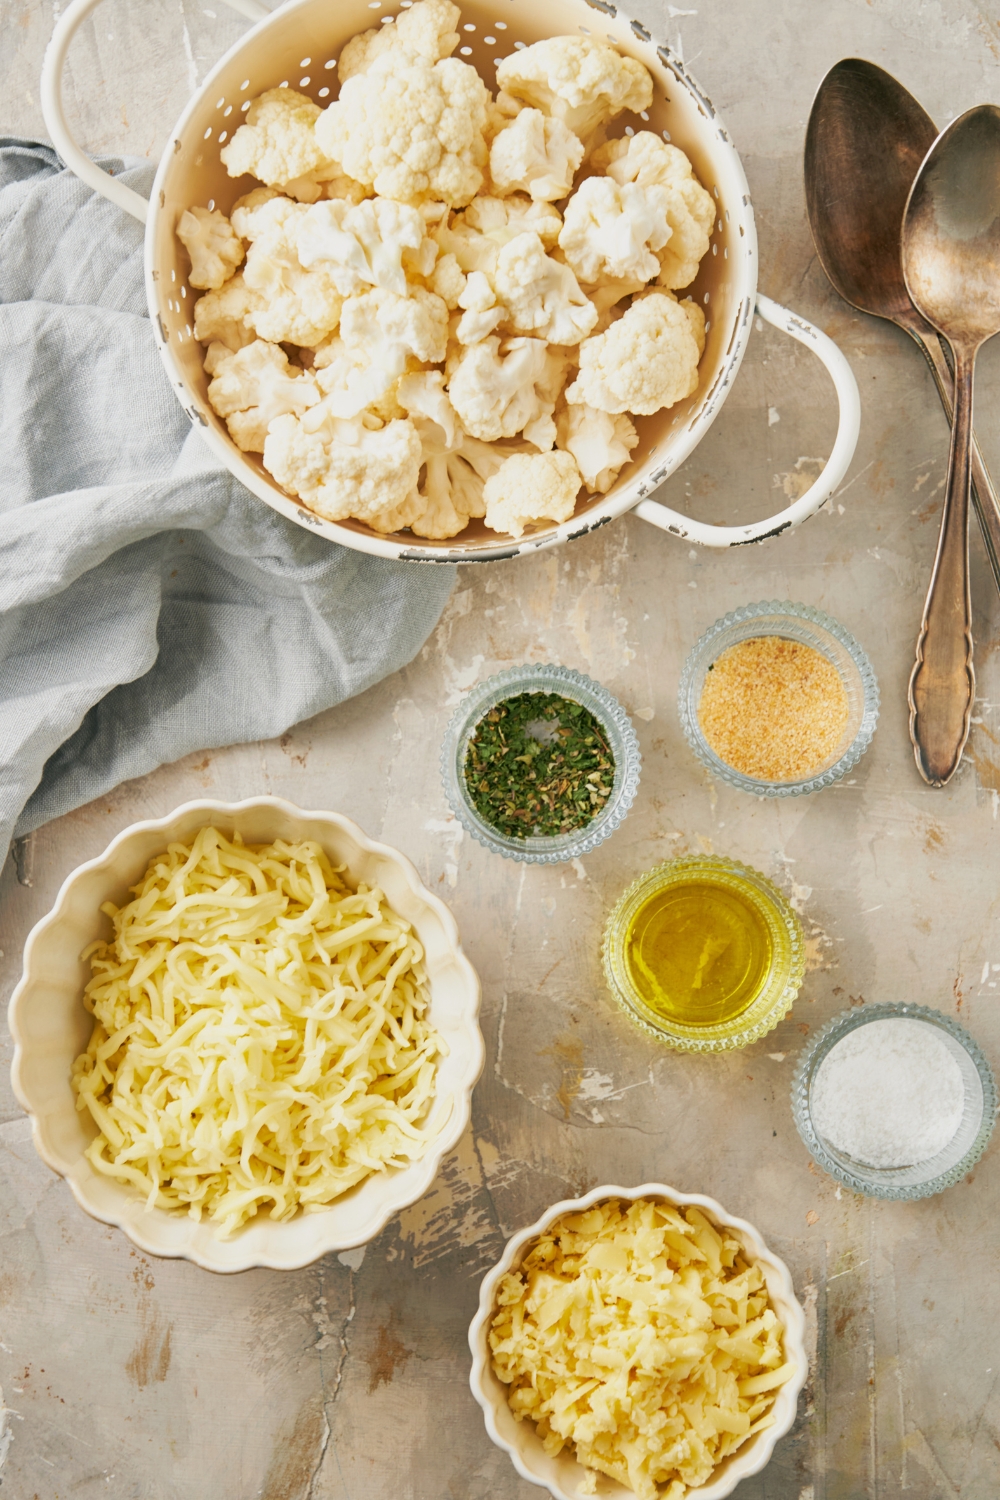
(890, 1094)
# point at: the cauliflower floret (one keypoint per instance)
(494, 393)
(424, 399)
(482, 311)
(381, 335)
(611, 231)
(576, 79)
(600, 443)
(363, 245)
(427, 31)
(278, 145)
(247, 217)
(535, 155)
(476, 237)
(448, 280)
(411, 131)
(645, 361)
(542, 295)
(647, 161)
(253, 387)
(379, 319)
(451, 490)
(530, 488)
(343, 469)
(221, 316)
(500, 111)
(295, 305)
(541, 431)
(213, 245)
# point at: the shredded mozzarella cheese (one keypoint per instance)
(260, 1038)
(642, 1336)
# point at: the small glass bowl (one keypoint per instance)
(779, 990)
(557, 848)
(793, 622)
(925, 1178)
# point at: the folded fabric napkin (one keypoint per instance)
(149, 604)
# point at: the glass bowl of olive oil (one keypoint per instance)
(704, 953)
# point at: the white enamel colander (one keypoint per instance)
(297, 45)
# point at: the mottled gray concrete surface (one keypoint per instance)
(136, 1378)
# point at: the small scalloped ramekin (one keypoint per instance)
(562, 1476)
(597, 700)
(925, 1178)
(51, 1027)
(811, 627)
(777, 995)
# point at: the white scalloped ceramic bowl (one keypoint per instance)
(562, 1476)
(51, 1027)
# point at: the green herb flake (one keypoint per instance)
(539, 765)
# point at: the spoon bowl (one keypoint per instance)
(951, 236)
(866, 138)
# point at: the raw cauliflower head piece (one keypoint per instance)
(247, 218)
(448, 280)
(476, 237)
(600, 443)
(381, 336)
(411, 131)
(346, 469)
(482, 310)
(528, 489)
(645, 361)
(647, 161)
(222, 316)
(425, 31)
(542, 296)
(362, 245)
(424, 399)
(253, 387)
(395, 327)
(493, 390)
(213, 245)
(578, 80)
(610, 232)
(535, 155)
(278, 145)
(296, 304)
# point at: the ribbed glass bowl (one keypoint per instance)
(793, 622)
(777, 994)
(554, 849)
(925, 1178)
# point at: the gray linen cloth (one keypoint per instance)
(149, 604)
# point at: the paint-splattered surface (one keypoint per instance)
(143, 1380)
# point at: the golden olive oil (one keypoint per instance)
(698, 953)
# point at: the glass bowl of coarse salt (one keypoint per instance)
(778, 699)
(894, 1101)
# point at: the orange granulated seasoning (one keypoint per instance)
(773, 709)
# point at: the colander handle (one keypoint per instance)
(848, 427)
(55, 119)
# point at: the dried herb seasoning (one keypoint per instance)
(538, 765)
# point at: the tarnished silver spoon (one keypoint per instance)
(951, 262)
(866, 138)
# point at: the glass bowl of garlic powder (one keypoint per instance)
(894, 1100)
(778, 699)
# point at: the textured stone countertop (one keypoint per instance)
(131, 1377)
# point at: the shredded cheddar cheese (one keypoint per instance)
(260, 1037)
(642, 1336)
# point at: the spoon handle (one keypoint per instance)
(984, 495)
(943, 682)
